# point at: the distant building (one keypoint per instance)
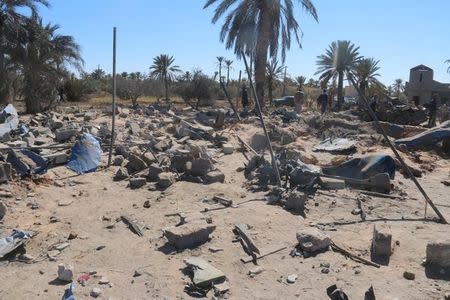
(422, 86)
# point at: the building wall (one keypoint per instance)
(422, 85)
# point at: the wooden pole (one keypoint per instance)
(402, 162)
(238, 89)
(258, 107)
(113, 126)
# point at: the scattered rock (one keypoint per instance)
(62, 246)
(72, 235)
(409, 275)
(228, 149)
(438, 253)
(199, 166)
(121, 174)
(3, 210)
(135, 163)
(292, 278)
(118, 160)
(5, 172)
(215, 249)
(66, 133)
(137, 273)
(165, 180)
(95, 292)
(213, 177)
(312, 240)
(255, 271)
(103, 280)
(381, 241)
(65, 202)
(65, 272)
(296, 201)
(147, 204)
(136, 183)
(189, 235)
(153, 171)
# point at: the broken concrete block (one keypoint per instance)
(136, 183)
(199, 166)
(66, 133)
(118, 160)
(313, 240)
(165, 180)
(189, 235)
(5, 172)
(153, 171)
(259, 142)
(65, 272)
(135, 163)
(58, 158)
(438, 253)
(204, 274)
(381, 241)
(55, 123)
(228, 149)
(163, 145)
(332, 184)
(296, 201)
(213, 177)
(121, 174)
(135, 129)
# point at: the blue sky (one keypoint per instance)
(400, 33)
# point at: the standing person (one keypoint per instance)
(322, 101)
(432, 107)
(298, 100)
(244, 97)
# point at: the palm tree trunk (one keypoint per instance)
(270, 89)
(228, 75)
(166, 87)
(220, 71)
(262, 49)
(340, 90)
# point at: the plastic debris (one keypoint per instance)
(68, 294)
(9, 120)
(9, 243)
(86, 155)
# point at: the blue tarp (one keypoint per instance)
(27, 162)
(86, 154)
(68, 294)
(363, 167)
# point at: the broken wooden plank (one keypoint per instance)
(132, 225)
(352, 255)
(264, 253)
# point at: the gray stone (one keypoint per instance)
(121, 174)
(135, 163)
(381, 241)
(153, 171)
(58, 158)
(228, 149)
(118, 160)
(213, 177)
(55, 123)
(292, 278)
(165, 180)
(312, 240)
(5, 172)
(409, 275)
(95, 292)
(136, 183)
(296, 201)
(189, 235)
(259, 142)
(255, 271)
(199, 166)
(103, 280)
(135, 129)
(163, 145)
(438, 253)
(2, 210)
(65, 272)
(332, 184)
(66, 133)
(204, 274)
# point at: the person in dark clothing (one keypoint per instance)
(322, 101)
(432, 107)
(244, 97)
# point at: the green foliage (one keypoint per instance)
(200, 88)
(164, 69)
(76, 89)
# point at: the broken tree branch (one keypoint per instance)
(352, 255)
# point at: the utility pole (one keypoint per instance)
(113, 125)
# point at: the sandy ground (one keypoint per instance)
(97, 201)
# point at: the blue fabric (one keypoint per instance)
(86, 155)
(68, 294)
(364, 167)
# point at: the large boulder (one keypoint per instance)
(312, 240)
(438, 253)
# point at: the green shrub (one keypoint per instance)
(76, 90)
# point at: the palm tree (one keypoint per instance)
(366, 74)
(98, 74)
(163, 68)
(300, 81)
(398, 86)
(259, 27)
(228, 63)
(124, 75)
(220, 60)
(340, 60)
(448, 62)
(44, 55)
(274, 73)
(12, 24)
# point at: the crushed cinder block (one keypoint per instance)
(228, 149)
(199, 166)
(204, 274)
(121, 174)
(136, 183)
(153, 171)
(165, 180)
(381, 241)
(5, 172)
(65, 133)
(332, 184)
(295, 201)
(438, 253)
(213, 177)
(312, 240)
(189, 235)
(58, 158)
(135, 163)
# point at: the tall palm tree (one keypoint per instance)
(398, 86)
(228, 63)
(261, 27)
(274, 73)
(44, 55)
(448, 62)
(300, 81)
(366, 74)
(12, 24)
(339, 60)
(163, 68)
(220, 60)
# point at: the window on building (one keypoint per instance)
(421, 77)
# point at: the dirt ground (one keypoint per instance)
(109, 248)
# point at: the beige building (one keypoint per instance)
(422, 86)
